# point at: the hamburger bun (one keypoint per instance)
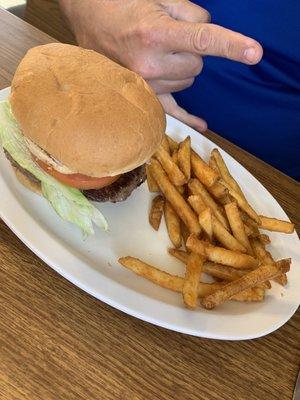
(92, 115)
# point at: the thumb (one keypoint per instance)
(172, 108)
(185, 10)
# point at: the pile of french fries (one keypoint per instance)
(213, 228)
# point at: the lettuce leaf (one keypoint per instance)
(69, 203)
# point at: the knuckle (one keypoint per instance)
(147, 36)
(201, 39)
(229, 49)
(143, 67)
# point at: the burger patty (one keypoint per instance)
(119, 190)
(17, 166)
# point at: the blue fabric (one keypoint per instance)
(256, 107)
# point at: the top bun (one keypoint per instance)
(94, 116)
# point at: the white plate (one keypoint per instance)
(92, 265)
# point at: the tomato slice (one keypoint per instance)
(78, 181)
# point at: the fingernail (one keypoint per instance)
(250, 55)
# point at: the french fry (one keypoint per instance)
(250, 232)
(197, 203)
(192, 280)
(173, 282)
(153, 274)
(165, 143)
(197, 188)
(173, 225)
(249, 295)
(253, 278)
(184, 157)
(202, 171)
(218, 191)
(152, 185)
(223, 271)
(251, 228)
(266, 258)
(180, 206)
(216, 270)
(264, 238)
(219, 255)
(242, 202)
(185, 233)
(225, 174)
(260, 252)
(156, 211)
(264, 285)
(179, 254)
(175, 157)
(206, 222)
(225, 238)
(276, 225)
(163, 278)
(237, 226)
(212, 163)
(172, 170)
(172, 144)
(225, 199)
(281, 279)
(180, 189)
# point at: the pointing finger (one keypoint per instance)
(213, 40)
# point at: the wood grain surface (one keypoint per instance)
(57, 342)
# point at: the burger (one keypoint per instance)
(79, 127)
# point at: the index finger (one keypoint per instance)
(213, 40)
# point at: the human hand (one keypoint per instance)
(162, 40)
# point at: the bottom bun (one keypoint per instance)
(29, 184)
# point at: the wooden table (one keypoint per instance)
(57, 342)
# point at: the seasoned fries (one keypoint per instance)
(224, 172)
(184, 157)
(266, 258)
(276, 225)
(173, 282)
(206, 221)
(225, 238)
(172, 144)
(173, 225)
(181, 207)
(197, 188)
(207, 213)
(242, 202)
(171, 168)
(216, 270)
(153, 274)
(218, 191)
(202, 171)
(197, 203)
(237, 226)
(152, 185)
(220, 255)
(253, 278)
(192, 279)
(156, 211)
(165, 143)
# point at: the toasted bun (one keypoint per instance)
(29, 184)
(94, 116)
